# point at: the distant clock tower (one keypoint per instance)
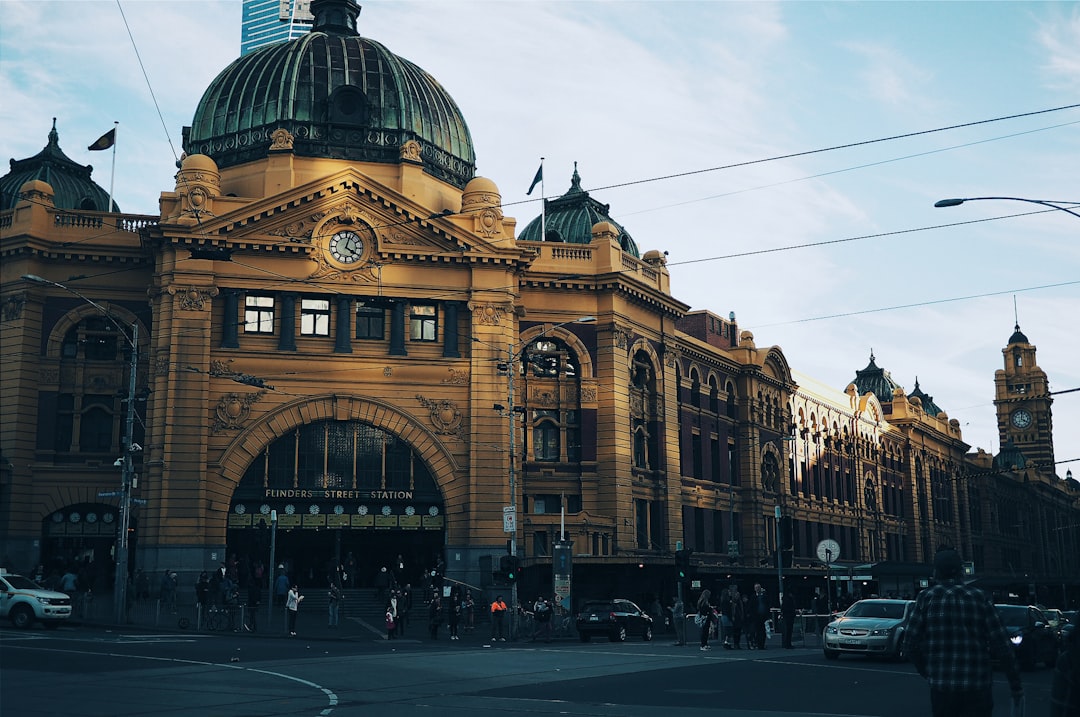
(1022, 397)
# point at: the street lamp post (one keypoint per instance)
(511, 360)
(1061, 206)
(127, 467)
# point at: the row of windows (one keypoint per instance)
(370, 319)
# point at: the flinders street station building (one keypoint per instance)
(332, 337)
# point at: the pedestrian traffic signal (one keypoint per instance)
(682, 563)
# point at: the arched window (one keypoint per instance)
(550, 372)
(644, 426)
(770, 473)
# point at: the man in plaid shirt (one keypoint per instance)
(951, 638)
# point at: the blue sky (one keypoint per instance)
(633, 91)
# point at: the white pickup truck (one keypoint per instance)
(23, 601)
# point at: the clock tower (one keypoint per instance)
(1022, 397)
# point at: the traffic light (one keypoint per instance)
(513, 567)
(682, 563)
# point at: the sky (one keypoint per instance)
(822, 240)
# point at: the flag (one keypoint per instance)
(104, 141)
(537, 179)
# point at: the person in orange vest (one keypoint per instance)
(498, 620)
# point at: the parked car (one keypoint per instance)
(1056, 619)
(615, 619)
(1033, 639)
(869, 627)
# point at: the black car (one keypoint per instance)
(615, 619)
(1031, 635)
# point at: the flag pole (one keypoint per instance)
(112, 172)
(543, 204)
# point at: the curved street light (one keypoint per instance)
(1061, 206)
(127, 470)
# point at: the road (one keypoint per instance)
(95, 671)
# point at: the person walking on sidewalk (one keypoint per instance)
(292, 607)
(787, 615)
(953, 635)
(706, 613)
(498, 619)
(335, 596)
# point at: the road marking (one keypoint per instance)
(331, 697)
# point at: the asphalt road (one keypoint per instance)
(95, 671)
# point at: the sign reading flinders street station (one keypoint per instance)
(365, 510)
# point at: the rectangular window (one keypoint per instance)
(422, 323)
(258, 314)
(315, 317)
(370, 321)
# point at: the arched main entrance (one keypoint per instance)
(342, 492)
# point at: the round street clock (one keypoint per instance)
(1021, 418)
(828, 550)
(346, 247)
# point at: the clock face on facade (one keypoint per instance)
(828, 550)
(346, 247)
(1021, 418)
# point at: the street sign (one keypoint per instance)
(110, 494)
(509, 519)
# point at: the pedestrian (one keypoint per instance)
(787, 615)
(761, 616)
(350, 569)
(167, 592)
(69, 582)
(434, 616)
(382, 582)
(281, 586)
(678, 620)
(142, 584)
(292, 607)
(254, 596)
(404, 611)
(389, 624)
(454, 618)
(705, 616)
(748, 622)
(738, 617)
(952, 636)
(1065, 688)
(468, 611)
(542, 616)
(393, 604)
(498, 619)
(335, 597)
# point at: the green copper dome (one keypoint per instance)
(571, 217)
(875, 380)
(340, 95)
(72, 186)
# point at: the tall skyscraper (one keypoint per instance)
(268, 21)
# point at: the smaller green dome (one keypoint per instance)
(927, 401)
(876, 380)
(571, 218)
(71, 183)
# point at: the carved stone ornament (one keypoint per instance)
(347, 217)
(410, 151)
(396, 236)
(299, 232)
(388, 371)
(161, 363)
(488, 314)
(281, 139)
(48, 375)
(588, 394)
(193, 298)
(457, 378)
(444, 414)
(544, 397)
(488, 223)
(622, 339)
(13, 306)
(233, 410)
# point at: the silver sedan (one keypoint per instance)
(869, 627)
